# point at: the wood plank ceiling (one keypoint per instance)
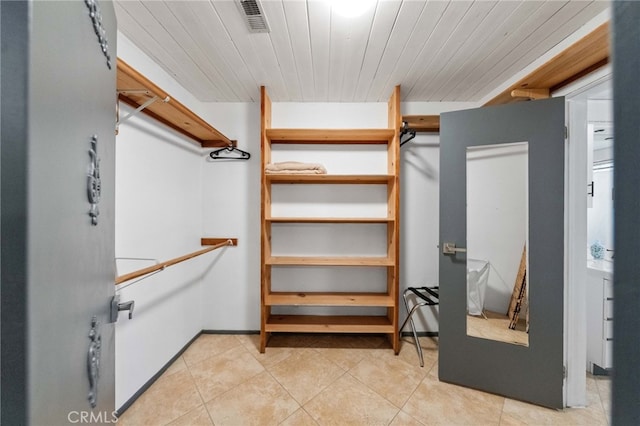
(438, 50)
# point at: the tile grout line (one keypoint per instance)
(426, 376)
(294, 413)
(267, 370)
(204, 404)
(301, 405)
(411, 395)
(364, 358)
(604, 412)
(309, 414)
(326, 387)
(504, 402)
(321, 390)
(211, 356)
(286, 390)
(374, 391)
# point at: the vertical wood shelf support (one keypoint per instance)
(265, 207)
(388, 299)
(393, 206)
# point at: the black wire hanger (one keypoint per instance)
(406, 130)
(230, 152)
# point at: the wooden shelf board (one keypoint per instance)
(328, 299)
(328, 324)
(329, 261)
(337, 179)
(423, 123)
(214, 241)
(135, 89)
(330, 136)
(581, 58)
(329, 219)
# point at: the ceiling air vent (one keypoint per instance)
(253, 16)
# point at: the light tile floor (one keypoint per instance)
(331, 380)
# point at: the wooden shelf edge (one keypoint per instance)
(581, 58)
(329, 261)
(328, 178)
(328, 299)
(173, 113)
(333, 324)
(423, 123)
(329, 136)
(329, 219)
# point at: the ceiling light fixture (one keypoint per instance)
(351, 8)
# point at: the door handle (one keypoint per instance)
(116, 307)
(127, 306)
(450, 248)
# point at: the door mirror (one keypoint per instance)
(497, 238)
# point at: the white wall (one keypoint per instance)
(419, 224)
(231, 208)
(324, 115)
(159, 215)
(331, 200)
(420, 209)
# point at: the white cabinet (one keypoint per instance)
(599, 316)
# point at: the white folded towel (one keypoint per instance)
(295, 167)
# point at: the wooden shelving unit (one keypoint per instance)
(383, 324)
(135, 90)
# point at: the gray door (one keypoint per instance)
(626, 292)
(57, 247)
(531, 370)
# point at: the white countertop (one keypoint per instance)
(601, 265)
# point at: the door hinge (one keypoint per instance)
(564, 372)
(566, 132)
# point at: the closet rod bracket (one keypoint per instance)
(141, 107)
